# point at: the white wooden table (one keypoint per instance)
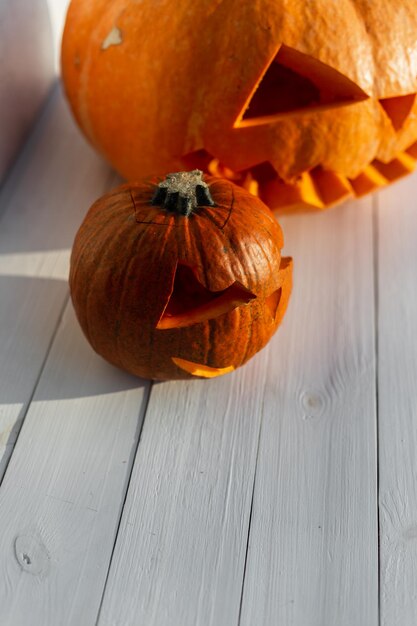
(282, 494)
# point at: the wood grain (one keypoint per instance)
(397, 402)
(180, 553)
(64, 488)
(43, 201)
(312, 553)
(313, 541)
(253, 498)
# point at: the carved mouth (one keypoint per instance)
(201, 371)
(191, 302)
(316, 189)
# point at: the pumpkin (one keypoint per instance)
(180, 278)
(304, 103)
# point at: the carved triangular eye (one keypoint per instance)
(191, 302)
(294, 83)
(398, 109)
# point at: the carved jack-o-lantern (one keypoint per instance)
(303, 102)
(179, 279)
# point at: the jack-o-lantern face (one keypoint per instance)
(174, 281)
(302, 102)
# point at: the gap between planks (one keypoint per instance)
(397, 358)
(312, 548)
(63, 491)
(42, 202)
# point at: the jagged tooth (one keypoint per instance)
(213, 167)
(279, 195)
(367, 181)
(309, 193)
(319, 188)
(300, 195)
(244, 179)
(408, 161)
(398, 167)
(251, 184)
(216, 168)
(412, 150)
(331, 186)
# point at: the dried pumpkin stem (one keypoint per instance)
(182, 192)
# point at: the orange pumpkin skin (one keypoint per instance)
(330, 87)
(168, 296)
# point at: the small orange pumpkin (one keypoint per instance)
(305, 103)
(179, 278)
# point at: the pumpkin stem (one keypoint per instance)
(182, 192)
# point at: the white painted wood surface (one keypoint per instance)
(313, 550)
(313, 543)
(251, 500)
(26, 71)
(61, 497)
(57, 13)
(55, 180)
(181, 551)
(397, 400)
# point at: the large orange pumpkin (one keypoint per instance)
(179, 279)
(305, 103)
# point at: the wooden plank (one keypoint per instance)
(43, 201)
(180, 553)
(312, 552)
(63, 491)
(26, 71)
(57, 13)
(397, 402)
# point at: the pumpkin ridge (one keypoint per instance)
(89, 295)
(199, 236)
(228, 207)
(85, 251)
(208, 216)
(124, 292)
(266, 256)
(232, 203)
(109, 244)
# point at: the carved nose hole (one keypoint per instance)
(398, 109)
